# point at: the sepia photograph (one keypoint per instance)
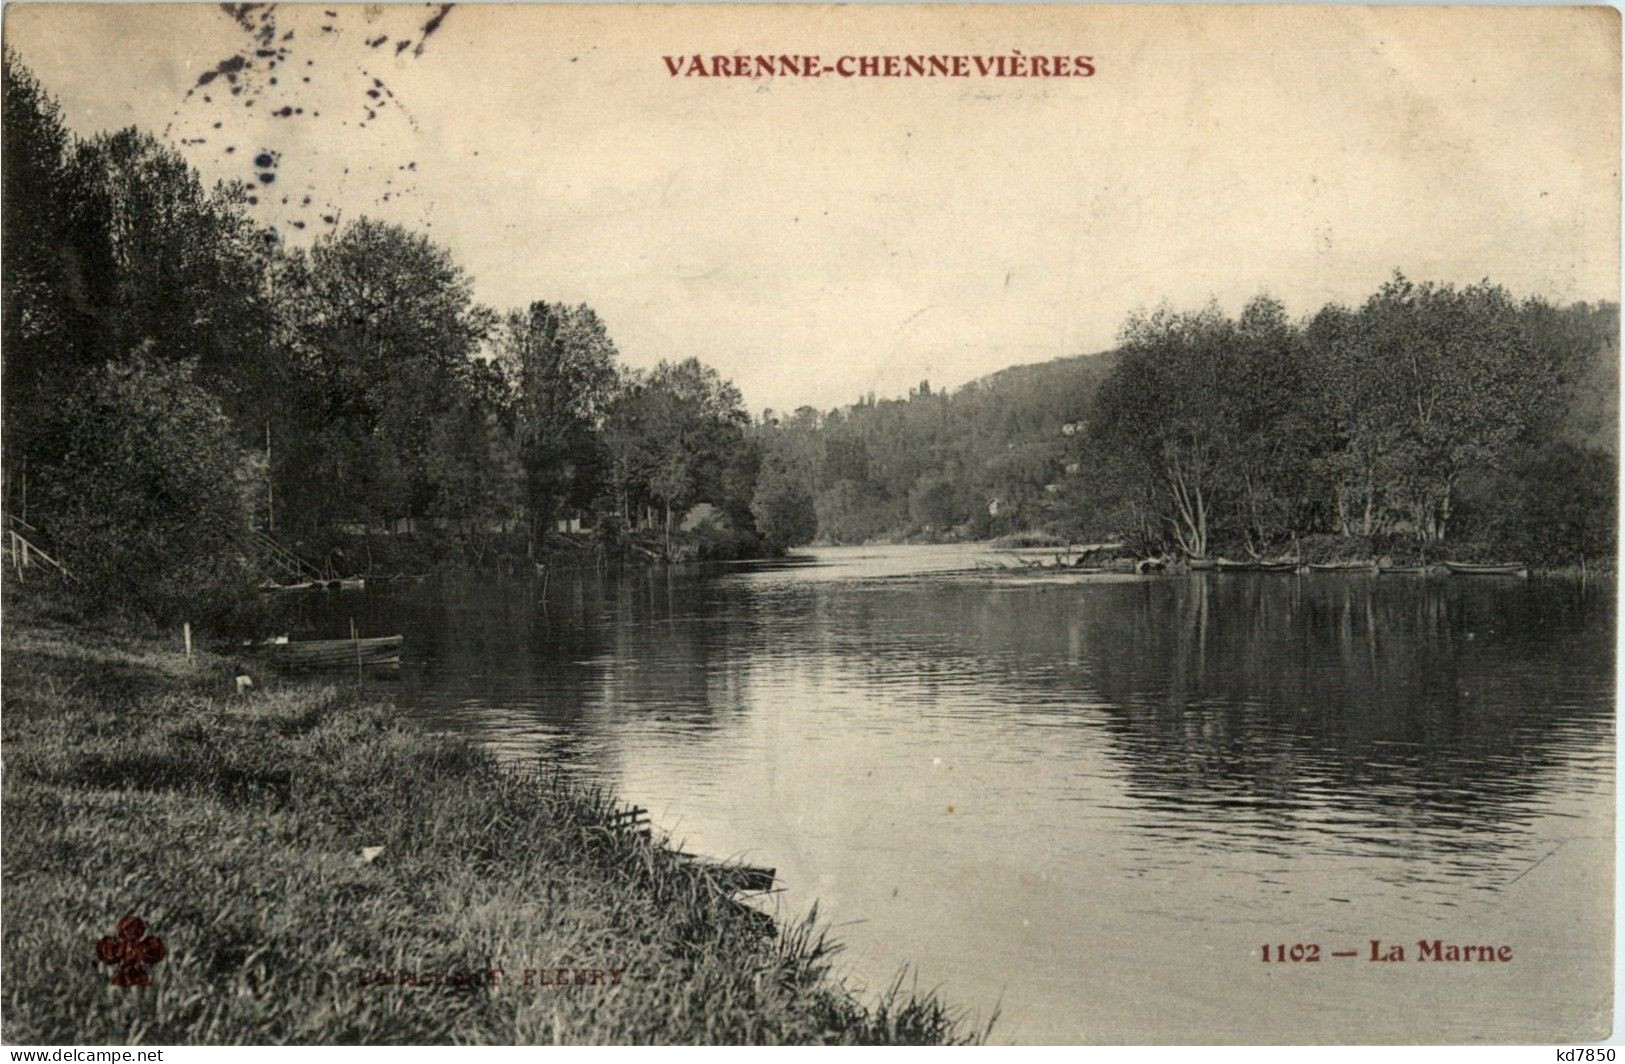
(935, 524)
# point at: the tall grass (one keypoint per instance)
(136, 782)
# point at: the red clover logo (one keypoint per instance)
(132, 949)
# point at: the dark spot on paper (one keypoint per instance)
(376, 41)
(239, 13)
(227, 67)
(430, 26)
(267, 177)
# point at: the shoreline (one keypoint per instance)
(290, 845)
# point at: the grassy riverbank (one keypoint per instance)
(136, 783)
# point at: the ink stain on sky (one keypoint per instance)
(331, 63)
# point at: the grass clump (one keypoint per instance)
(136, 782)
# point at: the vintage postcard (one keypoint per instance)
(809, 524)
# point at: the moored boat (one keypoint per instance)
(1488, 568)
(1201, 563)
(1343, 567)
(380, 651)
(1403, 570)
(1228, 566)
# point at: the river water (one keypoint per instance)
(1091, 802)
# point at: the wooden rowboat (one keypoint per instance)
(1490, 569)
(380, 652)
(1343, 567)
(1200, 564)
(1403, 570)
(1228, 566)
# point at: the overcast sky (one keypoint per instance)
(816, 239)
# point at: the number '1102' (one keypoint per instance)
(1308, 952)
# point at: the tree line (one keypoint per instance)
(178, 380)
(1430, 421)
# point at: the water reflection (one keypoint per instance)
(958, 759)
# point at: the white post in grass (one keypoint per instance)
(186, 633)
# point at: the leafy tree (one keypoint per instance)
(381, 328)
(1461, 382)
(938, 501)
(783, 509)
(560, 363)
(45, 332)
(168, 261)
(1276, 445)
(671, 435)
(1168, 412)
(473, 460)
(139, 492)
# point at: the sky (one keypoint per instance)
(817, 239)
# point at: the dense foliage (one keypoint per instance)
(965, 465)
(1430, 421)
(165, 356)
(1427, 421)
(350, 388)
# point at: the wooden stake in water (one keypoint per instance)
(186, 634)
